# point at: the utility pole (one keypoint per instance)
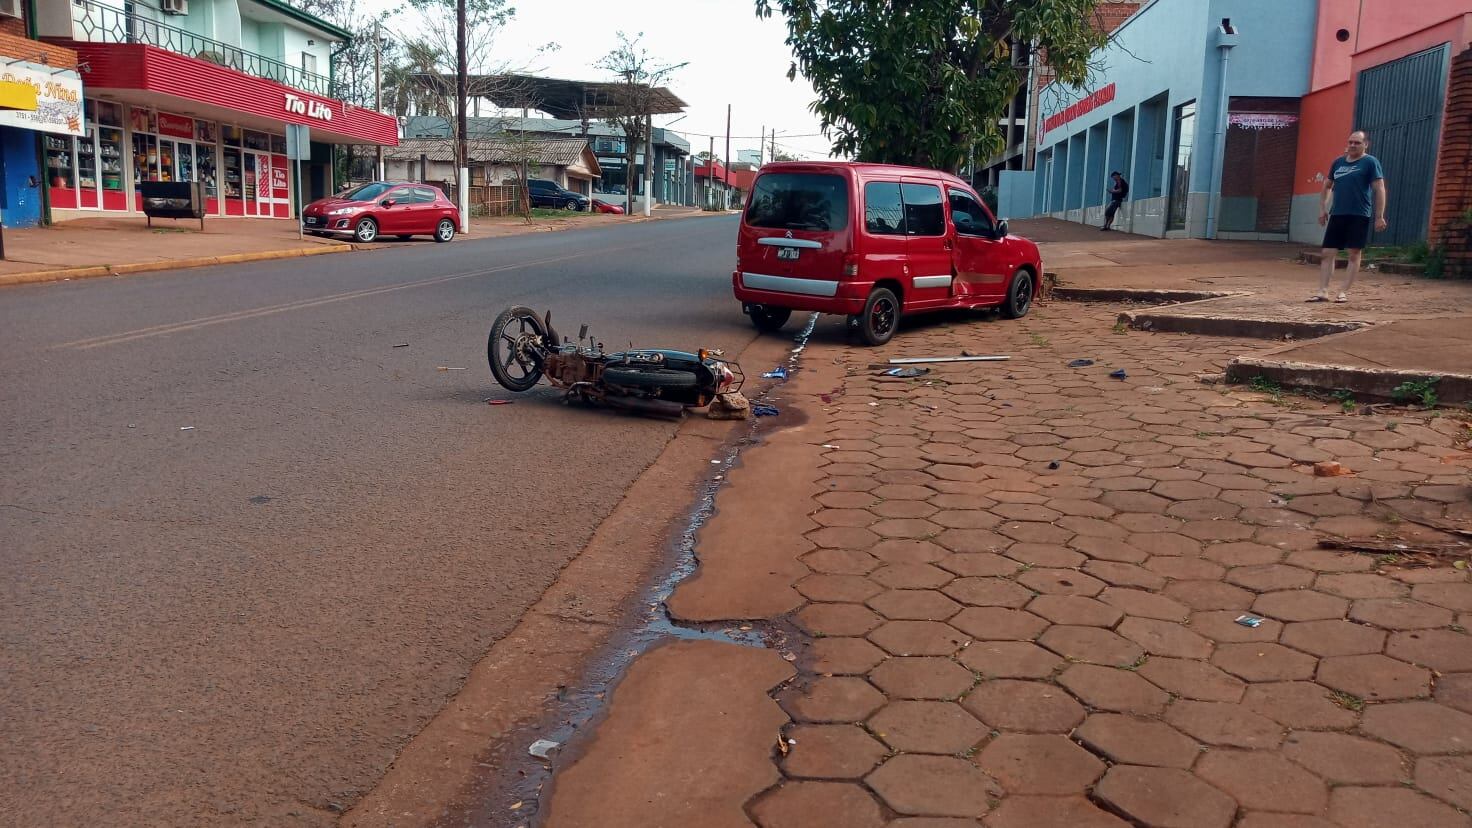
(378, 90)
(726, 201)
(462, 93)
(761, 148)
(649, 164)
(710, 174)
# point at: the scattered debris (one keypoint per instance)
(906, 372)
(447, 368)
(1055, 465)
(402, 345)
(1377, 546)
(1249, 621)
(186, 428)
(1118, 373)
(729, 406)
(762, 410)
(782, 747)
(780, 372)
(542, 748)
(1330, 468)
(499, 402)
(828, 446)
(966, 357)
(1080, 363)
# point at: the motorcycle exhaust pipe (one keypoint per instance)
(639, 405)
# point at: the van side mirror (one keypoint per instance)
(1002, 229)
(387, 202)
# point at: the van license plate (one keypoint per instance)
(788, 253)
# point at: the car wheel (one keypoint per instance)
(768, 319)
(366, 231)
(572, 204)
(1019, 296)
(881, 317)
(444, 231)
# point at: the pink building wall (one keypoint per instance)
(1370, 23)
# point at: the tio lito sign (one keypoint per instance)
(298, 105)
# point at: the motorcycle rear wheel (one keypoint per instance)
(649, 377)
(514, 348)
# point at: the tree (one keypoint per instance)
(782, 155)
(922, 83)
(633, 99)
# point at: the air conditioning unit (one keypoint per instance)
(10, 8)
(174, 6)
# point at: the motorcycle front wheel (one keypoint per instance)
(514, 348)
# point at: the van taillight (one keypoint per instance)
(851, 265)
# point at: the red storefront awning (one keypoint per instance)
(146, 75)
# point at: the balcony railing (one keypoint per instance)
(99, 23)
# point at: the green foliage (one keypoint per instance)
(1417, 391)
(1345, 400)
(924, 83)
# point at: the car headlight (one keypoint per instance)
(342, 211)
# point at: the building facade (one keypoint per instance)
(197, 90)
(1224, 116)
(52, 112)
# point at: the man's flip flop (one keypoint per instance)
(1317, 299)
(1341, 299)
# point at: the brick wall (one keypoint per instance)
(19, 46)
(13, 26)
(1258, 163)
(1454, 172)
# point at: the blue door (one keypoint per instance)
(20, 191)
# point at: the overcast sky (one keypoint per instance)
(733, 58)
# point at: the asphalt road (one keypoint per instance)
(250, 547)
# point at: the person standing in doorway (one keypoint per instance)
(1353, 194)
(1117, 193)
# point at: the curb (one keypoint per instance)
(1235, 326)
(1451, 389)
(60, 274)
(1394, 268)
(1148, 296)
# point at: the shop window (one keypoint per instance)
(259, 141)
(106, 113)
(1180, 176)
(232, 135)
(145, 157)
(59, 162)
(110, 159)
(278, 144)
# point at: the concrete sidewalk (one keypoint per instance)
(106, 246)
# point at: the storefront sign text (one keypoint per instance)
(58, 99)
(175, 125)
(1262, 120)
(297, 105)
(1089, 104)
(278, 178)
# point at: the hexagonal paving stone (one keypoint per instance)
(1360, 585)
(831, 700)
(1445, 651)
(926, 677)
(1455, 691)
(1113, 689)
(1448, 778)
(1346, 760)
(1378, 807)
(908, 551)
(1455, 596)
(1300, 705)
(988, 592)
(1209, 595)
(1255, 661)
(1108, 549)
(927, 727)
(1399, 614)
(1127, 740)
(1143, 604)
(1333, 638)
(1047, 764)
(1191, 679)
(998, 624)
(1420, 727)
(1091, 645)
(1164, 544)
(1323, 560)
(1263, 781)
(840, 561)
(1045, 812)
(914, 605)
(1222, 627)
(1026, 706)
(838, 588)
(1044, 554)
(911, 576)
(1165, 797)
(972, 540)
(1125, 575)
(843, 537)
(1270, 577)
(797, 804)
(1375, 677)
(1060, 582)
(918, 638)
(933, 786)
(1165, 638)
(1273, 820)
(831, 752)
(1243, 554)
(1075, 610)
(837, 619)
(1300, 605)
(1221, 724)
(843, 656)
(979, 565)
(1009, 659)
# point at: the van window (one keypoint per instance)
(884, 212)
(924, 215)
(799, 201)
(967, 215)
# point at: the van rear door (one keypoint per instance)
(796, 226)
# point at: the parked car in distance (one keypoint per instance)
(384, 208)
(608, 207)
(875, 242)
(544, 193)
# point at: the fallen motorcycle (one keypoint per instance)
(523, 348)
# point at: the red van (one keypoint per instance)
(874, 241)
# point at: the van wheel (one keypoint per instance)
(770, 320)
(881, 317)
(1019, 296)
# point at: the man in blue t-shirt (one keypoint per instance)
(1353, 193)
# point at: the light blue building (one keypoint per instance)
(1203, 160)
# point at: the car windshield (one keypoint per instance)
(367, 192)
(799, 201)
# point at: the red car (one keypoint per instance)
(605, 207)
(874, 241)
(384, 209)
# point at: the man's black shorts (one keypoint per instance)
(1347, 233)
